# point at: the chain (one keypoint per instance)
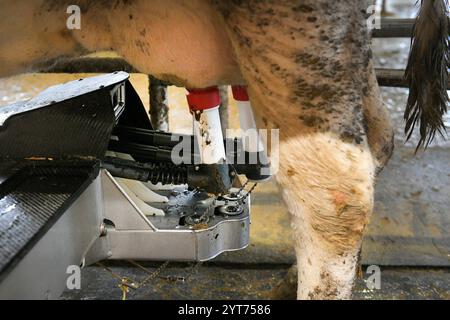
(152, 275)
(193, 271)
(243, 187)
(249, 192)
(126, 283)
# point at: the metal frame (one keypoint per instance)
(135, 236)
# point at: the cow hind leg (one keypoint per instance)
(306, 68)
(330, 193)
(380, 136)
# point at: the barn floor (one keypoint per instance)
(235, 281)
(408, 236)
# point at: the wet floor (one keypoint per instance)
(408, 235)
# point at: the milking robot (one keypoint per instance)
(84, 177)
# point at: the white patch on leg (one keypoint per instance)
(322, 274)
(328, 187)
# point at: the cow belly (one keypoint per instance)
(183, 42)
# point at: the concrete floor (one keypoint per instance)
(247, 281)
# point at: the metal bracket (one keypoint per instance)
(132, 235)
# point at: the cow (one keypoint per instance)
(309, 71)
